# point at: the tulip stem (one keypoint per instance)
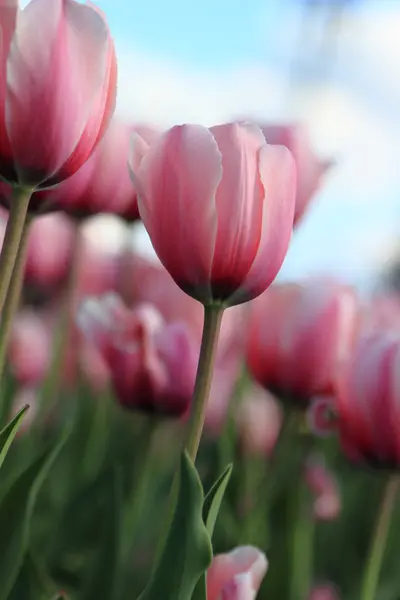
(19, 204)
(13, 295)
(379, 539)
(208, 350)
(62, 337)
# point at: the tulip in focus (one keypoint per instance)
(218, 205)
(152, 364)
(310, 168)
(368, 401)
(236, 575)
(258, 421)
(320, 480)
(298, 337)
(57, 89)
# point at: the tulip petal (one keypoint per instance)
(177, 182)
(278, 176)
(56, 76)
(227, 567)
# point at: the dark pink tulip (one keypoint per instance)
(299, 335)
(218, 205)
(152, 364)
(57, 89)
(368, 401)
(102, 185)
(151, 283)
(310, 168)
(327, 502)
(258, 421)
(236, 575)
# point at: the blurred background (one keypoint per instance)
(331, 63)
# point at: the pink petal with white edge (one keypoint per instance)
(239, 199)
(178, 179)
(53, 81)
(225, 568)
(278, 176)
(240, 588)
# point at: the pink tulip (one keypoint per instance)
(299, 335)
(151, 283)
(50, 250)
(236, 575)
(218, 205)
(152, 364)
(322, 483)
(102, 185)
(57, 89)
(310, 168)
(30, 348)
(97, 271)
(324, 592)
(258, 421)
(368, 401)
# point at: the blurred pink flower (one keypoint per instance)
(57, 89)
(258, 421)
(299, 334)
(151, 283)
(310, 168)
(368, 401)
(30, 348)
(224, 194)
(153, 364)
(324, 591)
(327, 502)
(236, 575)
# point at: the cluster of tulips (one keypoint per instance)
(169, 421)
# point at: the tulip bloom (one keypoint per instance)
(236, 575)
(152, 364)
(102, 185)
(310, 168)
(57, 89)
(298, 337)
(258, 422)
(218, 205)
(368, 401)
(30, 348)
(322, 483)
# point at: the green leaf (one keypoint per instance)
(213, 500)
(211, 506)
(32, 583)
(103, 577)
(7, 434)
(187, 552)
(16, 510)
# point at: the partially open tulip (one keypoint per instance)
(236, 575)
(57, 89)
(152, 364)
(299, 335)
(150, 282)
(368, 402)
(218, 204)
(310, 168)
(102, 185)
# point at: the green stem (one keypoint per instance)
(15, 226)
(13, 296)
(52, 383)
(208, 350)
(379, 539)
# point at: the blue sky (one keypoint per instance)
(210, 61)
